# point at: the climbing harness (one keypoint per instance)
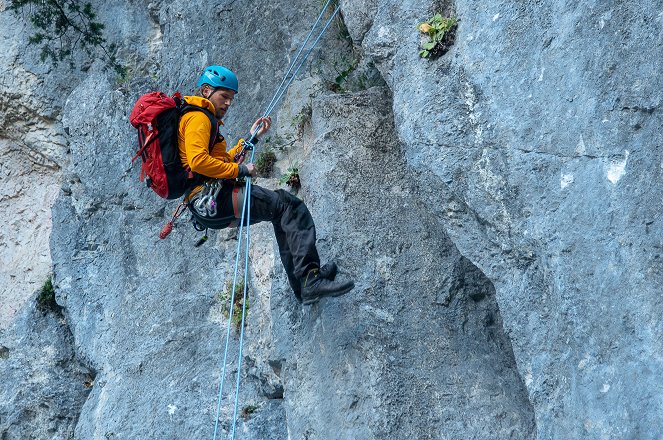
(203, 202)
(206, 203)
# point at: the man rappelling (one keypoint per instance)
(216, 204)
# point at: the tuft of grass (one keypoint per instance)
(46, 298)
(248, 410)
(224, 298)
(302, 120)
(441, 33)
(265, 162)
(343, 75)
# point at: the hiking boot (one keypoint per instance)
(328, 270)
(315, 287)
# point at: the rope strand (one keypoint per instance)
(281, 90)
(246, 219)
(292, 64)
(244, 301)
(230, 317)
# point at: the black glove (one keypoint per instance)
(243, 171)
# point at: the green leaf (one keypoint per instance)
(424, 54)
(428, 46)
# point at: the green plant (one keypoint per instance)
(441, 32)
(46, 298)
(224, 298)
(265, 162)
(343, 75)
(64, 26)
(248, 410)
(291, 178)
(302, 119)
(124, 78)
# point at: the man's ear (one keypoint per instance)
(205, 91)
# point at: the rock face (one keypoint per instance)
(541, 133)
(33, 148)
(43, 384)
(498, 208)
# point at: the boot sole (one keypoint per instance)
(309, 301)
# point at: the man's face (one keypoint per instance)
(221, 99)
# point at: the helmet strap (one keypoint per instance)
(216, 89)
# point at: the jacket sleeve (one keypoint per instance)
(219, 151)
(197, 129)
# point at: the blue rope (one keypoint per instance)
(230, 317)
(285, 77)
(276, 100)
(246, 271)
(281, 90)
(246, 214)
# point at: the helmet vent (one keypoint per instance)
(217, 77)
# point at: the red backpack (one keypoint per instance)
(156, 116)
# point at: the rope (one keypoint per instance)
(285, 77)
(246, 214)
(246, 271)
(282, 89)
(276, 100)
(230, 315)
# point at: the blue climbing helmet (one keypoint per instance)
(219, 76)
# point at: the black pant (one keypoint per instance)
(293, 225)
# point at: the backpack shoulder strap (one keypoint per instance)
(186, 108)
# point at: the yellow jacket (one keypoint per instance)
(193, 140)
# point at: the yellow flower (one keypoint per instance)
(424, 27)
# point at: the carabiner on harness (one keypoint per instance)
(204, 203)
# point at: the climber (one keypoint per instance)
(293, 224)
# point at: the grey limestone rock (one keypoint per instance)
(43, 384)
(498, 208)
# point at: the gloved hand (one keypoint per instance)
(247, 170)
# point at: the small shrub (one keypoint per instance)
(265, 162)
(302, 119)
(276, 142)
(291, 178)
(46, 298)
(441, 32)
(248, 410)
(224, 298)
